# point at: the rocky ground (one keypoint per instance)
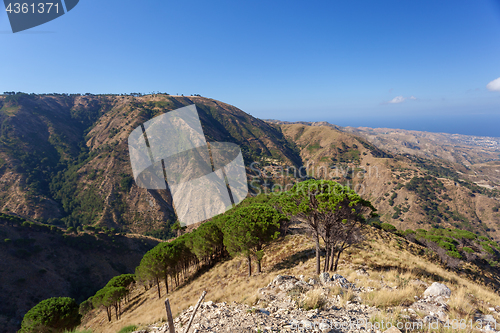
(282, 307)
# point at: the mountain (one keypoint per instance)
(463, 149)
(64, 158)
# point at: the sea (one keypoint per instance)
(476, 125)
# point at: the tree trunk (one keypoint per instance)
(337, 261)
(166, 282)
(327, 258)
(158, 285)
(259, 255)
(108, 312)
(332, 258)
(249, 265)
(318, 262)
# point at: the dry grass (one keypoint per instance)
(335, 290)
(383, 298)
(461, 305)
(315, 299)
(397, 267)
(347, 296)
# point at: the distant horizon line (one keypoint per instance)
(313, 123)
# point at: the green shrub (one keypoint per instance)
(388, 227)
(447, 246)
(464, 234)
(492, 263)
(495, 245)
(450, 240)
(433, 238)
(128, 329)
(454, 254)
(53, 315)
(86, 306)
(397, 212)
(391, 200)
(376, 224)
(487, 248)
(126, 182)
(467, 249)
(408, 232)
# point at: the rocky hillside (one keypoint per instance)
(409, 191)
(291, 304)
(385, 279)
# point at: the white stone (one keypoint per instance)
(437, 289)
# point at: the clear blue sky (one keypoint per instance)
(290, 60)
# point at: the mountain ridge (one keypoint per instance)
(70, 166)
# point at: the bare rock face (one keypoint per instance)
(433, 303)
(312, 282)
(437, 289)
(342, 281)
(434, 306)
(285, 282)
(279, 309)
(324, 278)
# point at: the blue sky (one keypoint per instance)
(290, 60)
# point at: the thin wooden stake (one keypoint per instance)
(194, 312)
(170, 319)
